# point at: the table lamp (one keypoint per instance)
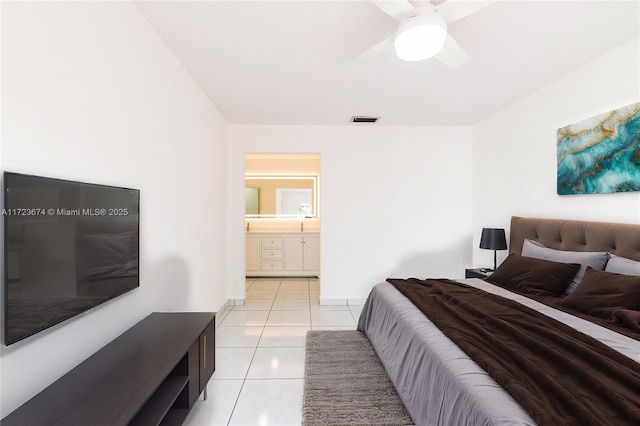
(493, 239)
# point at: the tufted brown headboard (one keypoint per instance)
(576, 235)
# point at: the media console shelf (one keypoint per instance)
(152, 374)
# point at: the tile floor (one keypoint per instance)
(260, 353)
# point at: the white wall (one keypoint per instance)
(396, 201)
(90, 93)
(514, 151)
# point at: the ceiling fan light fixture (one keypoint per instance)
(421, 36)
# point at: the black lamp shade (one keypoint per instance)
(493, 239)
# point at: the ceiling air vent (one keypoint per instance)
(363, 119)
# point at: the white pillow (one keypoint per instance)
(595, 259)
(622, 265)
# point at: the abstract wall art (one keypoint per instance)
(601, 154)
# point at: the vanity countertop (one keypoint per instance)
(287, 232)
(282, 226)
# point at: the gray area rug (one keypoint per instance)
(346, 384)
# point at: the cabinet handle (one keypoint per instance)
(204, 351)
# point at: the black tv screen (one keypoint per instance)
(68, 247)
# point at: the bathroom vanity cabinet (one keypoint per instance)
(294, 254)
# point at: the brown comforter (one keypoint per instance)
(559, 375)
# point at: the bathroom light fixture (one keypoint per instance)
(421, 36)
(493, 239)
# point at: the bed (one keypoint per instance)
(441, 384)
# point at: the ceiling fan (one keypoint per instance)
(422, 30)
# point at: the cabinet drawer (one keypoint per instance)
(272, 242)
(273, 254)
(272, 266)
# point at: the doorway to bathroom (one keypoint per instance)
(282, 215)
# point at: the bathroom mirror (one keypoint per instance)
(281, 196)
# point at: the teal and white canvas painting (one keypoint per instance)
(601, 154)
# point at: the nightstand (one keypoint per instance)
(476, 273)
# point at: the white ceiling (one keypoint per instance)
(299, 62)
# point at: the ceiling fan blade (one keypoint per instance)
(397, 9)
(452, 55)
(452, 10)
(375, 51)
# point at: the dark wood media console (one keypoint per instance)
(152, 374)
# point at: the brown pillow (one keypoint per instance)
(533, 276)
(602, 293)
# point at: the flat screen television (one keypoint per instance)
(68, 247)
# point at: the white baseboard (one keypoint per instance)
(333, 302)
(341, 302)
(225, 307)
